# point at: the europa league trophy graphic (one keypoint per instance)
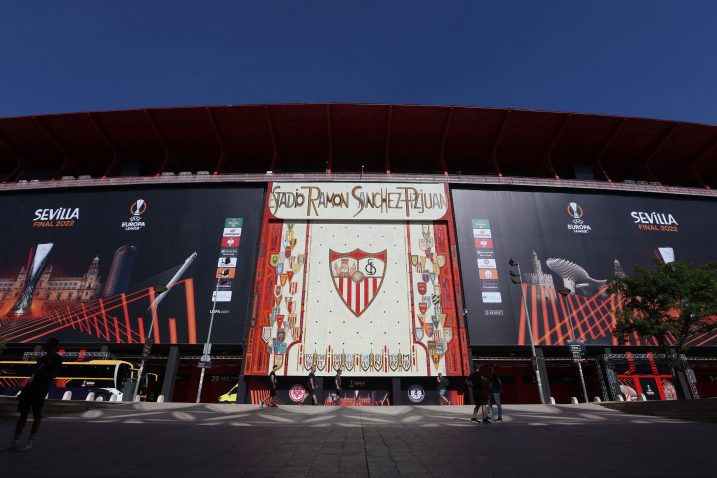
(40, 259)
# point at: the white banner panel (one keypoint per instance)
(356, 201)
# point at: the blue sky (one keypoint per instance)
(652, 59)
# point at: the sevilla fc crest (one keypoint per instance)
(357, 277)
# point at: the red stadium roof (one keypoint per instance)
(349, 137)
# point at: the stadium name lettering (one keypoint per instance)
(653, 218)
(406, 199)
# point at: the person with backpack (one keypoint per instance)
(496, 388)
(442, 383)
(476, 382)
(270, 400)
(311, 387)
(337, 385)
(32, 396)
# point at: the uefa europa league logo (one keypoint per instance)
(575, 211)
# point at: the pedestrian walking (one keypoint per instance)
(311, 387)
(270, 400)
(496, 388)
(442, 383)
(337, 385)
(476, 382)
(32, 396)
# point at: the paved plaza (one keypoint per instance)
(162, 440)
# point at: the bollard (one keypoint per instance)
(113, 398)
(574, 400)
(643, 398)
(160, 399)
(136, 399)
(67, 395)
(100, 399)
(90, 397)
(620, 398)
(552, 400)
(597, 400)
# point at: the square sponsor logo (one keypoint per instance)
(227, 262)
(492, 297)
(230, 241)
(232, 232)
(226, 272)
(229, 251)
(491, 274)
(489, 284)
(233, 222)
(482, 233)
(481, 224)
(224, 283)
(482, 243)
(485, 263)
(222, 296)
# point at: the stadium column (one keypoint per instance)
(170, 373)
(396, 392)
(682, 379)
(242, 388)
(543, 371)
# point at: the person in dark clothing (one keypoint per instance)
(270, 400)
(32, 396)
(311, 387)
(496, 388)
(476, 381)
(442, 383)
(337, 384)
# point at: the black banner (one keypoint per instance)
(569, 241)
(98, 265)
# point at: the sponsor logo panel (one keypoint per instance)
(230, 241)
(492, 298)
(486, 263)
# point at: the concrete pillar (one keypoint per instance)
(242, 389)
(170, 373)
(543, 371)
(90, 397)
(682, 383)
(396, 391)
(574, 400)
(67, 395)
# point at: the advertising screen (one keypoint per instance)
(89, 266)
(570, 241)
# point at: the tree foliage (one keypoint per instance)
(671, 303)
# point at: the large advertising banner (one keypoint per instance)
(358, 277)
(101, 266)
(570, 241)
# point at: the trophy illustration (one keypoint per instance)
(40, 259)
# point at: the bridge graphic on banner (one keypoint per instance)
(357, 277)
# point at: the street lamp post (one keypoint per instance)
(519, 281)
(206, 360)
(163, 290)
(565, 292)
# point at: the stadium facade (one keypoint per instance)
(392, 242)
